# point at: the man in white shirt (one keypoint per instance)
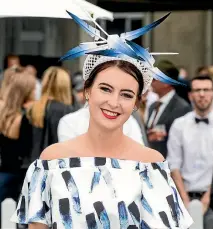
(77, 123)
(190, 149)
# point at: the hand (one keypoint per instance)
(205, 200)
(155, 135)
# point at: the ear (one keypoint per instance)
(190, 96)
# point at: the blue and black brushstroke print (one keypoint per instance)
(99, 161)
(162, 171)
(21, 212)
(144, 175)
(43, 181)
(134, 212)
(91, 221)
(73, 189)
(177, 204)
(115, 163)
(45, 165)
(40, 214)
(123, 215)
(95, 180)
(105, 173)
(55, 225)
(75, 162)
(146, 205)
(102, 214)
(64, 209)
(164, 219)
(172, 206)
(34, 182)
(61, 163)
(144, 225)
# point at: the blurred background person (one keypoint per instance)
(15, 132)
(55, 102)
(190, 150)
(78, 88)
(32, 70)
(163, 112)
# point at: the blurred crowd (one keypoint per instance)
(176, 121)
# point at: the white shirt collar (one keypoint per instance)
(166, 98)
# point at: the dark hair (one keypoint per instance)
(206, 77)
(124, 66)
(168, 68)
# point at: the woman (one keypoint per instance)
(103, 179)
(55, 102)
(15, 132)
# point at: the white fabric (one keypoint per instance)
(88, 192)
(190, 149)
(77, 123)
(52, 9)
(165, 101)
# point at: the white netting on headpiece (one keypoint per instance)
(92, 61)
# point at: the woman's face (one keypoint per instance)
(112, 98)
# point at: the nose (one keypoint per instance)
(113, 102)
(202, 93)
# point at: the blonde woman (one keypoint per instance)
(55, 102)
(15, 131)
(8, 76)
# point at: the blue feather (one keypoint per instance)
(95, 180)
(78, 51)
(106, 52)
(146, 205)
(122, 47)
(115, 163)
(123, 215)
(86, 27)
(144, 225)
(141, 52)
(139, 32)
(158, 75)
(144, 175)
(71, 186)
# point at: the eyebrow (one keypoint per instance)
(108, 85)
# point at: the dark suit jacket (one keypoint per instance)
(176, 108)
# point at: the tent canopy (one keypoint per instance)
(52, 9)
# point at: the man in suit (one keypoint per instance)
(163, 112)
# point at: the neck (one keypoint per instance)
(109, 143)
(202, 113)
(164, 92)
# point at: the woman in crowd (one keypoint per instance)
(55, 102)
(15, 131)
(103, 179)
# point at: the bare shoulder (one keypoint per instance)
(65, 149)
(152, 155)
(145, 154)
